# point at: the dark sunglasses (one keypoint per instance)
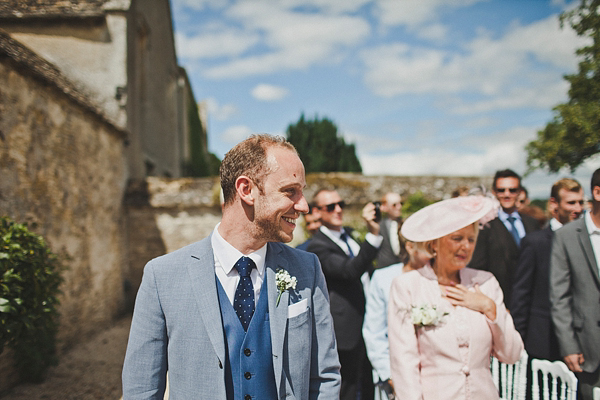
(331, 207)
(502, 190)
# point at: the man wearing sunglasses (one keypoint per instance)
(344, 261)
(498, 244)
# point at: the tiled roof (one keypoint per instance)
(28, 62)
(22, 9)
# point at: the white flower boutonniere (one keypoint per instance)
(284, 282)
(426, 315)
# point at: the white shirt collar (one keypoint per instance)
(503, 215)
(555, 224)
(591, 227)
(227, 255)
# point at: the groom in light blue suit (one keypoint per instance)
(252, 334)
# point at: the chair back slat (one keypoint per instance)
(510, 379)
(558, 382)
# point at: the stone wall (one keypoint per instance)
(64, 172)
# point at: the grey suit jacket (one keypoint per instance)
(177, 327)
(575, 293)
(386, 255)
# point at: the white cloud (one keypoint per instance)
(199, 5)
(292, 39)
(218, 111)
(236, 134)
(434, 32)
(472, 155)
(267, 92)
(413, 13)
(524, 67)
(228, 43)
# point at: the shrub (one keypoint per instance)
(29, 286)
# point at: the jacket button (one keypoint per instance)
(247, 375)
(247, 352)
(247, 397)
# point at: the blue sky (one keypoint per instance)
(443, 87)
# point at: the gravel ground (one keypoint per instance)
(90, 370)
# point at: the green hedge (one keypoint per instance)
(30, 276)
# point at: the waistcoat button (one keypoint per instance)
(247, 397)
(247, 352)
(247, 375)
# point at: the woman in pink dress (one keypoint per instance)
(446, 320)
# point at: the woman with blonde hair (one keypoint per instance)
(446, 320)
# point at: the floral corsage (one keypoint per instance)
(284, 282)
(426, 315)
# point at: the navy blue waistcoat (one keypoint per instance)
(249, 365)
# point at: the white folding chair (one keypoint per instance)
(510, 379)
(557, 370)
(596, 393)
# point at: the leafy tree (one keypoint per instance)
(414, 203)
(320, 148)
(201, 163)
(574, 133)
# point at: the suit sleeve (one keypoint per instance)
(145, 367)
(524, 279)
(480, 255)
(507, 344)
(404, 348)
(374, 330)
(337, 265)
(561, 297)
(325, 377)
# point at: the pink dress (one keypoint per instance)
(449, 360)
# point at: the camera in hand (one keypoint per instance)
(377, 211)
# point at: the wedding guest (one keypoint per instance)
(375, 329)
(446, 320)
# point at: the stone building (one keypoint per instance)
(121, 55)
(91, 101)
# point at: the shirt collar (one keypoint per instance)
(227, 255)
(503, 215)
(591, 227)
(332, 233)
(555, 224)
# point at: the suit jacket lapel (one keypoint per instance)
(507, 237)
(586, 245)
(277, 313)
(201, 270)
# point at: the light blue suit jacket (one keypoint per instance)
(177, 327)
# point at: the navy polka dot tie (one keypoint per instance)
(243, 301)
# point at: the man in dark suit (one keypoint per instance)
(497, 248)
(575, 292)
(312, 225)
(389, 252)
(531, 292)
(344, 262)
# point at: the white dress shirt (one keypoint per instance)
(225, 258)
(555, 224)
(336, 236)
(503, 215)
(594, 233)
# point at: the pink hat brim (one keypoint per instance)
(444, 217)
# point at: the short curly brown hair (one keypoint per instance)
(248, 158)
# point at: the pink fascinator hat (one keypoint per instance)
(447, 216)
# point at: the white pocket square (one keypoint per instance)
(297, 308)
